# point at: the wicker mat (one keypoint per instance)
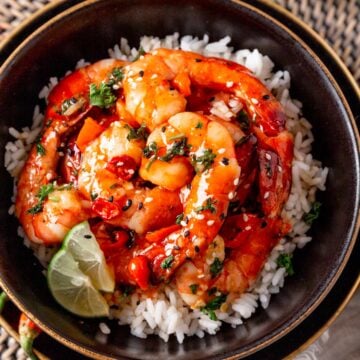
(338, 21)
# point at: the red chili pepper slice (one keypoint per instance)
(139, 271)
(123, 166)
(105, 209)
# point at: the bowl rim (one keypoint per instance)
(281, 331)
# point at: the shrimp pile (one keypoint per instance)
(175, 190)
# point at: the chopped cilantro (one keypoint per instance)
(140, 133)
(205, 160)
(209, 205)
(216, 267)
(313, 214)
(116, 76)
(178, 147)
(285, 261)
(179, 219)
(150, 150)
(35, 209)
(42, 194)
(40, 149)
(141, 52)
(212, 305)
(166, 264)
(199, 125)
(102, 96)
(194, 288)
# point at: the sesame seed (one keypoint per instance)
(183, 223)
(210, 222)
(266, 195)
(231, 195)
(104, 328)
(248, 228)
(229, 84)
(279, 168)
(119, 163)
(201, 276)
(261, 128)
(268, 156)
(236, 181)
(200, 216)
(254, 101)
(221, 151)
(131, 171)
(148, 200)
(245, 217)
(69, 164)
(154, 76)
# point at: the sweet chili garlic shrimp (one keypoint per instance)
(205, 209)
(186, 71)
(109, 164)
(249, 240)
(150, 97)
(47, 211)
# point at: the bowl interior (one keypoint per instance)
(87, 32)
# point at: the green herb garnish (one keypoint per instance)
(150, 151)
(40, 149)
(141, 52)
(166, 264)
(205, 160)
(209, 205)
(102, 96)
(313, 214)
(179, 219)
(285, 261)
(116, 76)
(216, 267)
(212, 305)
(42, 194)
(199, 125)
(178, 147)
(140, 133)
(194, 288)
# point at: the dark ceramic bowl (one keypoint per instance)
(87, 30)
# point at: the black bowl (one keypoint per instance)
(87, 31)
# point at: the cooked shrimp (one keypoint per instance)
(46, 219)
(250, 239)
(150, 97)
(182, 69)
(211, 190)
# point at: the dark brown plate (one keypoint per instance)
(334, 234)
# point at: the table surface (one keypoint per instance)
(337, 21)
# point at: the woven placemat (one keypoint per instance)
(337, 21)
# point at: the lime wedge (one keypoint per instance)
(78, 272)
(73, 289)
(82, 245)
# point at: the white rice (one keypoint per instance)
(167, 314)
